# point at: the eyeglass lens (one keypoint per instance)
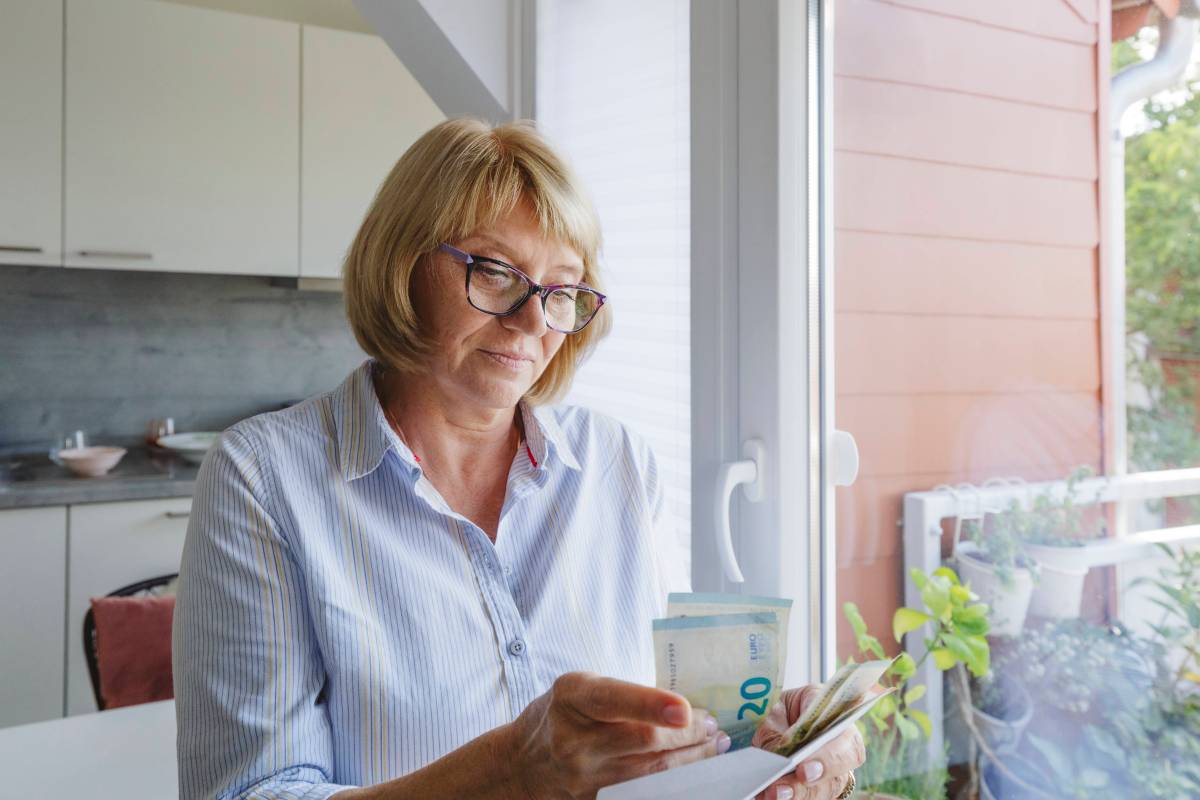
(498, 290)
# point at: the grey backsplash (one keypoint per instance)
(105, 351)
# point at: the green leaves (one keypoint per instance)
(955, 625)
(886, 706)
(907, 619)
(960, 623)
(908, 729)
(1163, 277)
(948, 574)
(904, 668)
(943, 658)
(970, 650)
(922, 719)
(866, 642)
(971, 620)
(935, 594)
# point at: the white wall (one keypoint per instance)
(479, 30)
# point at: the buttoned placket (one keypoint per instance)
(516, 651)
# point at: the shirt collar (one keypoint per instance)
(543, 433)
(364, 435)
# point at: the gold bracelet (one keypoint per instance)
(849, 790)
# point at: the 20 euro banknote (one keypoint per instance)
(727, 664)
(700, 604)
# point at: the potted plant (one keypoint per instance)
(1013, 776)
(895, 730)
(1073, 669)
(1052, 532)
(1001, 709)
(1080, 766)
(1178, 632)
(994, 564)
(1117, 715)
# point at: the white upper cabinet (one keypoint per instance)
(182, 139)
(362, 109)
(30, 132)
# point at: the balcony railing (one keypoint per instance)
(924, 513)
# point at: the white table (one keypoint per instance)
(126, 753)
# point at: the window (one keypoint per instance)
(973, 257)
(624, 124)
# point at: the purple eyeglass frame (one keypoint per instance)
(533, 287)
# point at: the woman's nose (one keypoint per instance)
(530, 318)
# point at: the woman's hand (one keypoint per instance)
(588, 732)
(825, 775)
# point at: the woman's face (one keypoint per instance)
(486, 361)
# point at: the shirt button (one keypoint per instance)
(507, 570)
(516, 647)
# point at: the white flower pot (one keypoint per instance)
(1064, 558)
(1059, 592)
(994, 786)
(1009, 604)
(1003, 735)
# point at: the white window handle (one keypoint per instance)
(843, 459)
(749, 474)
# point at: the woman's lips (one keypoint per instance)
(511, 361)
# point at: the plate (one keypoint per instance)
(190, 446)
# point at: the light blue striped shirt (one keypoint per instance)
(337, 624)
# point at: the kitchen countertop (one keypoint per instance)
(32, 479)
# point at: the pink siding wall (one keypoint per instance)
(967, 256)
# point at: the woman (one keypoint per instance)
(429, 582)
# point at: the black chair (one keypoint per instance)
(151, 586)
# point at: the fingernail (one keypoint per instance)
(784, 793)
(813, 770)
(675, 715)
(723, 743)
(710, 726)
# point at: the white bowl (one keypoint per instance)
(190, 446)
(91, 462)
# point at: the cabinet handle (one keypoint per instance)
(132, 256)
(178, 514)
(17, 248)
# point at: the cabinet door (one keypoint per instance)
(114, 545)
(32, 595)
(182, 139)
(362, 109)
(31, 132)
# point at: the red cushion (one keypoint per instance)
(133, 649)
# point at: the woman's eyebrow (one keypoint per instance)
(499, 247)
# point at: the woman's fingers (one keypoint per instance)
(781, 716)
(621, 738)
(646, 763)
(610, 700)
(797, 700)
(790, 789)
(844, 754)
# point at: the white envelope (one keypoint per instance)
(734, 776)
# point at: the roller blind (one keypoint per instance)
(613, 95)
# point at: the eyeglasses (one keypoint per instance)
(500, 289)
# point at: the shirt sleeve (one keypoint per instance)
(247, 669)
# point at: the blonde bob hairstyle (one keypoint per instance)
(460, 176)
